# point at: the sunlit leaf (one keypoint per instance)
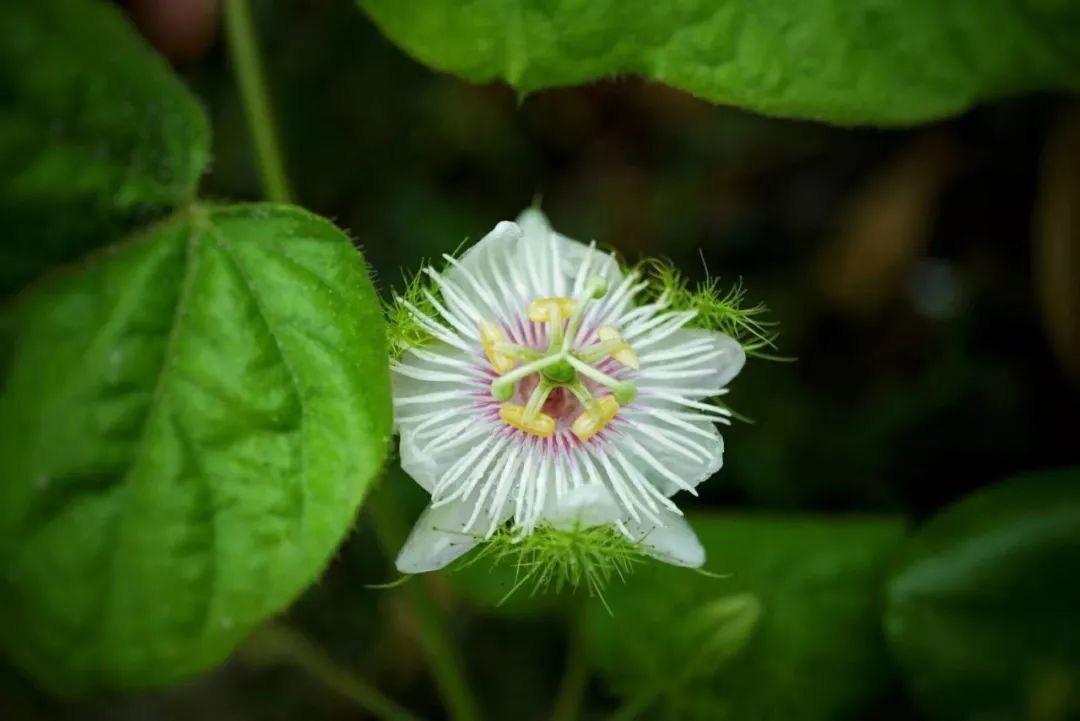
(984, 608)
(96, 133)
(791, 633)
(188, 425)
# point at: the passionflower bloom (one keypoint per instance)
(533, 393)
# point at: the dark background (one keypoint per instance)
(903, 267)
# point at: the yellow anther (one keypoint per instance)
(591, 422)
(541, 424)
(491, 335)
(623, 353)
(543, 310)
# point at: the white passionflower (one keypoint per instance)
(545, 398)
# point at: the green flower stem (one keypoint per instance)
(583, 395)
(244, 55)
(275, 643)
(518, 351)
(595, 287)
(442, 657)
(556, 326)
(599, 351)
(536, 400)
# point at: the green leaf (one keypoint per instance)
(188, 425)
(96, 133)
(984, 607)
(790, 632)
(889, 62)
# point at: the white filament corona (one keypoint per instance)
(547, 396)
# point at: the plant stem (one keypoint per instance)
(444, 663)
(277, 643)
(247, 68)
(572, 686)
(442, 657)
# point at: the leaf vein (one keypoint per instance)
(191, 249)
(221, 242)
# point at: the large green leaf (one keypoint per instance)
(96, 133)
(188, 425)
(792, 633)
(984, 607)
(884, 62)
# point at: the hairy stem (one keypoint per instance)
(435, 639)
(247, 68)
(274, 643)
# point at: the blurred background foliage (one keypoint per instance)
(924, 281)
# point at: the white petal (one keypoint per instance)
(704, 361)
(571, 254)
(446, 375)
(585, 506)
(674, 542)
(419, 466)
(482, 273)
(449, 448)
(692, 457)
(516, 263)
(413, 375)
(437, 539)
(535, 224)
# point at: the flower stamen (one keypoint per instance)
(541, 425)
(552, 311)
(595, 288)
(494, 340)
(536, 400)
(625, 389)
(593, 420)
(517, 351)
(584, 397)
(621, 350)
(559, 366)
(547, 310)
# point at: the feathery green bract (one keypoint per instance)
(717, 309)
(552, 559)
(422, 293)
(403, 330)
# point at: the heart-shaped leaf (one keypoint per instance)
(189, 422)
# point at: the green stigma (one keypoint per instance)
(561, 372)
